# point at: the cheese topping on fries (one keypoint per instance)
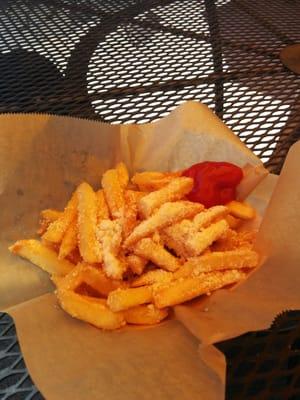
(127, 252)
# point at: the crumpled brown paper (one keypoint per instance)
(42, 159)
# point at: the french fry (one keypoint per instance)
(149, 181)
(167, 214)
(43, 226)
(69, 241)
(46, 217)
(228, 241)
(138, 195)
(114, 193)
(232, 240)
(145, 315)
(246, 238)
(205, 218)
(217, 261)
(232, 221)
(114, 267)
(98, 280)
(92, 276)
(90, 309)
(156, 253)
(102, 208)
(176, 235)
(122, 174)
(130, 213)
(199, 242)
(109, 233)
(153, 276)
(136, 263)
(171, 242)
(176, 189)
(71, 280)
(183, 290)
(57, 228)
(241, 210)
(122, 299)
(89, 246)
(50, 214)
(42, 256)
(157, 238)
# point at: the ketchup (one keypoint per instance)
(214, 182)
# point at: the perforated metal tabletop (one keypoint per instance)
(124, 61)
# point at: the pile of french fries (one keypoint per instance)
(126, 253)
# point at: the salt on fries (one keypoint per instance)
(127, 252)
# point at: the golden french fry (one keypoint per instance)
(149, 181)
(50, 214)
(92, 276)
(136, 263)
(102, 208)
(71, 280)
(69, 241)
(114, 267)
(246, 238)
(228, 241)
(98, 280)
(88, 244)
(234, 240)
(175, 236)
(167, 214)
(205, 218)
(199, 242)
(232, 221)
(145, 315)
(153, 276)
(183, 290)
(109, 233)
(138, 195)
(241, 210)
(114, 192)
(122, 299)
(57, 228)
(46, 217)
(42, 256)
(172, 243)
(43, 226)
(218, 260)
(90, 309)
(122, 174)
(130, 213)
(176, 189)
(156, 253)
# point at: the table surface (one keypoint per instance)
(123, 61)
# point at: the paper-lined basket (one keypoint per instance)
(42, 159)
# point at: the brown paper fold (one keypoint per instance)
(69, 359)
(42, 158)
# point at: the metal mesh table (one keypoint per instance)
(124, 61)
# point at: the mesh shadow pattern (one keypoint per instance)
(123, 61)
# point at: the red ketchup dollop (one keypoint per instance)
(214, 182)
